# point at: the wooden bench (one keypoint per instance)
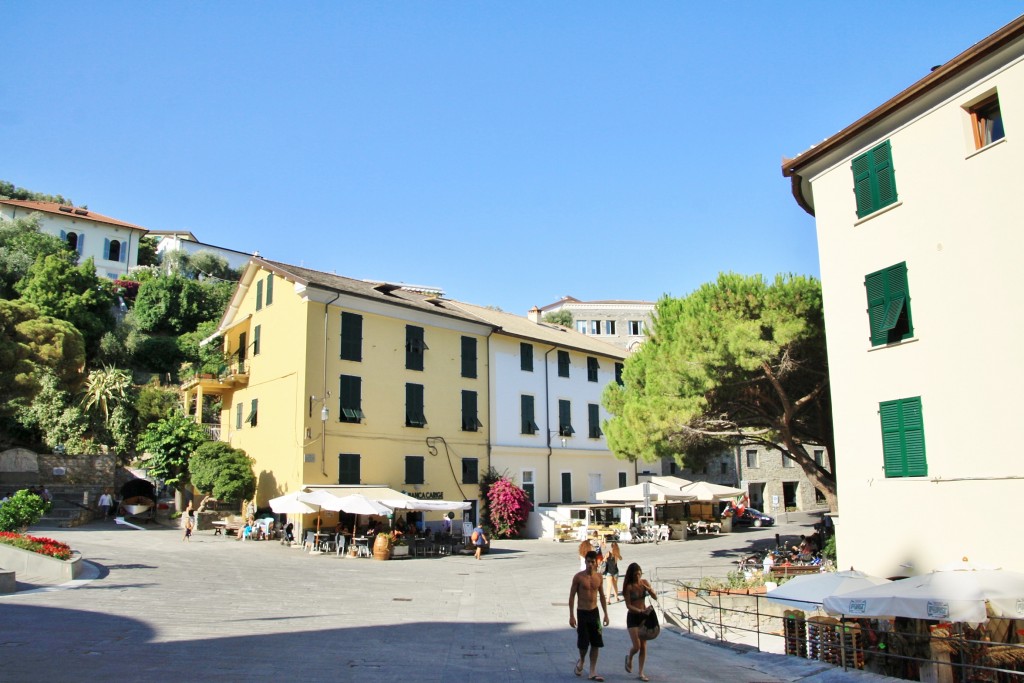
(229, 525)
(787, 571)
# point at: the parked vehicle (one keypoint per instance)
(752, 517)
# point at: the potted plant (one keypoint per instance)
(382, 546)
(400, 547)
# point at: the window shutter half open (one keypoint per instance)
(875, 286)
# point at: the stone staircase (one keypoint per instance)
(72, 506)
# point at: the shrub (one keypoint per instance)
(509, 508)
(21, 511)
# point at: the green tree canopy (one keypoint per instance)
(147, 252)
(72, 293)
(222, 471)
(175, 305)
(170, 443)
(30, 341)
(739, 361)
(21, 243)
(562, 317)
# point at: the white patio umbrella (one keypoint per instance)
(289, 503)
(955, 595)
(635, 494)
(706, 491)
(808, 591)
(427, 505)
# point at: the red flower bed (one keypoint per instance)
(37, 544)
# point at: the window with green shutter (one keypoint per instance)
(256, 334)
(565, 418)
(238, 416)
(469, 357)
(350, 399)
(563, 363)
(414, 416)
(259, 295)
(470, 423)
(414, 347)
(253, 412)
(470, 471)
(270, 289)
(594, 420)
(351, 336)
(592, 368)
(348, 468)
(414, 469)
(526, 412)
(889, 305)
(526, 357)
(566, 487)
(874, 179)
(903, 438)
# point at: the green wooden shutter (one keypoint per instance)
(592, 369)
(259, 295)
(414, 347)
(566, 487)
(565, 418)
(270, 289)
(862, 185)
(413, 469)
(348, 468)
(526, 413)
(350, 398)
(469, 357)
(470, 423)
(892, 438)
(885, 177)
(256, 334)
(875, 286)
(351, 337)
(913, 437)
(526, 357)
(594, 415)
(238, 416)
(414, 416)
(563, 363)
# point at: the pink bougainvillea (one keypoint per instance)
(509, 507)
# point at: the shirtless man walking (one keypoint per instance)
(589, 585)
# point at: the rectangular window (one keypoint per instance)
(594, 420)
(592, 368)
(752, 460)
(595, 327)
(470, 471)
(256, 340)
(609, 327)
(636, 328)
(528, 484)
(565, 418)
(581, 326)
(618, 373)
(566, 487)
(414, 347)
(470, 423)
(270, 289)
(350, 399)
(526, 412)
(623, 479)
(903, 438)
(243, 351)
(351, 337)
(986, 122)
(469, 357)
(414, 416)
(819, 458)
(348, 469)
(563, 363)
(889, 305)
(238, 416)
(259, 294)
(414, 469)
(725, 468)
(787, 460)
(526, 357)
(874, 179)
(253, 412)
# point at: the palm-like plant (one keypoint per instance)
(106, 388)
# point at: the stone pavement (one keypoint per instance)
(154, 608)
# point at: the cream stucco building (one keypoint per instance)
(918, 219)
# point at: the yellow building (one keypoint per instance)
(333, 381)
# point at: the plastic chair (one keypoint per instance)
(310, 542)
(339, 544)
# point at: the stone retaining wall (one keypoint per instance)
(33, 564)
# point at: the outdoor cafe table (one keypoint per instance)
(363, 546)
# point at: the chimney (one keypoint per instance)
(534, 315)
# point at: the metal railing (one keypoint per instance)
(901, 648)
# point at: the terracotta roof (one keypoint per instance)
(547, 333)
(70, 212)
(938, 77)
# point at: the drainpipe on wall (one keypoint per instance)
(323, 429)
(547, 417)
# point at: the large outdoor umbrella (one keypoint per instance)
(706, 491)
(358, 504)
(290, 503)
(971, 595)
(428, 505)
(808, 591)
(322, 500)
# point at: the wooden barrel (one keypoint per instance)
(382, 547)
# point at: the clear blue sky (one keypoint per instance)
(510, 153)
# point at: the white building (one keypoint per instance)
(919, 221)
(546, 383)
(183, 240)
(619, 322)
(113, 244)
